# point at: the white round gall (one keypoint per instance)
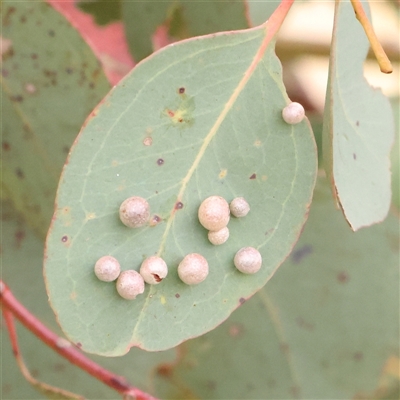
(129, 284)
(193, 269)
(107, 269)
(219, 237)
(153, 270)
(293, 113)
(134, 212)
(214, 213)
(248, 260)
(239, 207)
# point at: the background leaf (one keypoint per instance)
(325, 327)
(50, 83)
(225, 137)
(181, 19)
(104, 12)
(358, 127)
(22, 257)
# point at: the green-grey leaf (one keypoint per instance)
(50, 82)
(103, 11)
(211, 109)
(358, 127)
(323, 328)
(182, 19)
(395, 156)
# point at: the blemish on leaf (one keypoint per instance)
(114, 163)
(170, 113)
(19, 237)
(358, 356)
(354, 156)
(51, 33)
(163, 300)
(69, 71)
(30, 88)
(17, 98)
(242, 300)
(177, 295)
(34, 56)
(302, 323)
(299, 254)
(342, 277)
(253, 176)
(62, 343)
(20, 173)
(148, 141)
(257, 143)
(78, 345)
(5, 146)
(357, 123)
(160, 161)
(223, 173)
(66, 210)
(73, 295)
(284, 347)
(89, 216)
(155, 220)
(236, 330)
(178, 205)
(181, 90)
(64, 239)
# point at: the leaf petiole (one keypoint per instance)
(383, 60)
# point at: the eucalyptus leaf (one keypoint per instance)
(198, 118)
(358, 127)
(176, 20)
(50, 82)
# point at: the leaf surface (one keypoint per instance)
(50, 82)
(180, 19)
(211, 109)
(358, 127)
(22, 259)
(325, 327)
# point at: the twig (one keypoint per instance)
(46, 389)
(383, 61)
(65, 348)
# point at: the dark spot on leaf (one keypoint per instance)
(269, 231)
(302, 323)
(358, 356)
(69, 70)
(64, 239)
(6, 146)
(59, 367)
(211, 385)
(51, 33)
(19, 237)
(91, 85)
(155, 220)
(181, 90)
(160, 161)
(178, 205)
(34, 56)
(242, 300)
(19, 173)
(295, 391)
(157, 278)
(177, 295)
(284, 347)
(170, 113)
(354, 156)
(299, 254)
(180, 119)
(357, 123)
(253, 176)
(165, 370)
(18, 98)
(342, 277)
(4, 73)
(78, 345)
(23, 19)
(65, 149)
(35, 373)
(7, 15)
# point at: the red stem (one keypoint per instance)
(62, 346)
